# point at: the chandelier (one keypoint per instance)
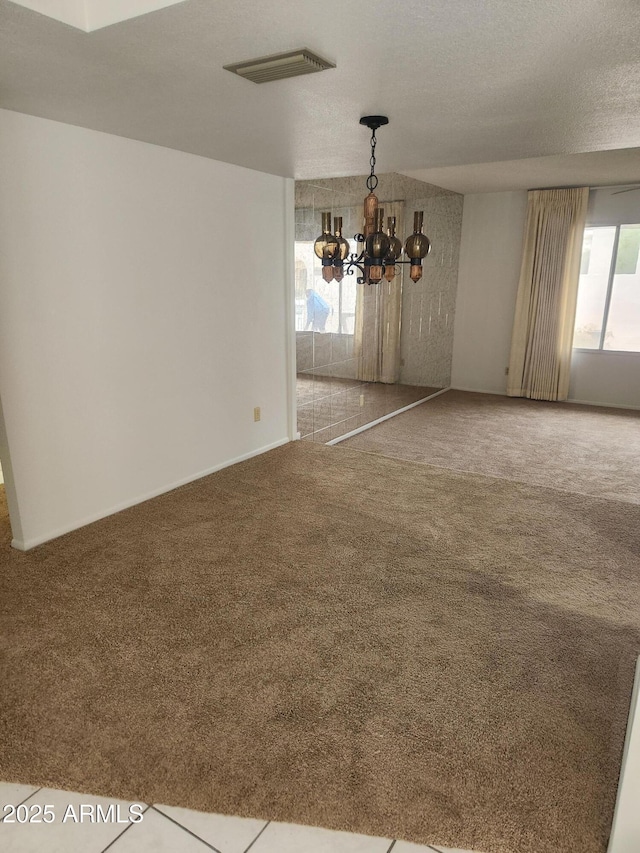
(378, 254)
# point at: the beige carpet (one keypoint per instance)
(586, 449)
(324, 636)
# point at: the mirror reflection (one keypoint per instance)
(366, 350)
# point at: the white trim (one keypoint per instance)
(386, 417)
(600, 351)
(569, 400)
(625, 830)
(602, 405)
(9, 487)
(26, 545)
(290, 307)
(477, 390)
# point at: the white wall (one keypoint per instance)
(143, 315)
(606, 378)
(489, 268)
(612, 206)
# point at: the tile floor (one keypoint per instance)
(66, 828)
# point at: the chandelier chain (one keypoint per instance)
(372, 180)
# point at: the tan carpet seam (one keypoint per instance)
(468, 472)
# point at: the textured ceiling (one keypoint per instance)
(480, 81)
(600, 168)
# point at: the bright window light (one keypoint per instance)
(608, 308)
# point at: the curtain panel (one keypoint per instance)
(547, 293)
(378, 316)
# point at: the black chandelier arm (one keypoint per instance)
(360, 260)
(361, 263)
(351, 266)
(355, 262)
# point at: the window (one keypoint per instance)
(339, 297)
(608, 309)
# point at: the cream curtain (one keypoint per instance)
(377, 322)
(547, 293)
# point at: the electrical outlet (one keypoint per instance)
(256, 413)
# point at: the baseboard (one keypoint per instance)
(478, 390)
(27, 544)
(570, 400)
(386, 417)
(603, 405)
(625, 831)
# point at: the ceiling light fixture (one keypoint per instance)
(378, 253)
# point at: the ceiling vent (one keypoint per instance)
(280, 65)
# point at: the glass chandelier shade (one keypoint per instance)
(327, 248)
(395, 249)
(417, 246)
(343, 250)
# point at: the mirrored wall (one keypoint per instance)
(364, 351)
